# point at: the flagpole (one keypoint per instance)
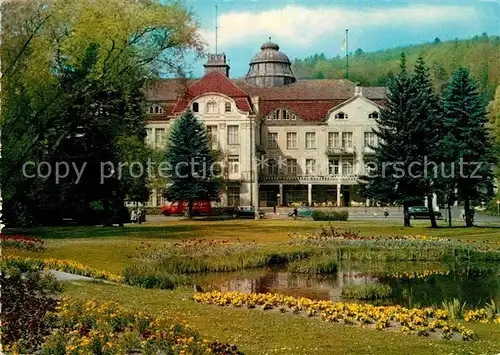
(216, 29)
(347, 54)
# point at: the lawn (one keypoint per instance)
(254, 331)
(270, 332)
(112, 248)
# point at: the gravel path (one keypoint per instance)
(64, 276)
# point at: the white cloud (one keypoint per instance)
(303, 26)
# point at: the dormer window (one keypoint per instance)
(196, 107)
(341, 116)
(156, 110)
(281, 114)
(212, 107)
(227, 107)
(373, 115)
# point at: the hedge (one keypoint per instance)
(330, 215)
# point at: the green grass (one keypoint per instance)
(255, 332)
(259, 332)
(113, 248)
(366, 291)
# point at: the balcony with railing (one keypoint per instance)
(328, 179)
(341, 151)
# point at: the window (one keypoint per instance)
(346, 139)
(149, 136)
(233, 164)
(347, 167)
(281, 114)
(333, 167)
(333, 140)
(310, 166)
(212, 136)
(374, 115)
(291, 167)
(310, 140)
(291, 140)
(196, 107)
(156, 109)
(160, 138)
(341, 116)
(232, 135)
(212, 107)
(227, 107)
(370, 139)
(272, 140)
(272, 167)
(233, 196)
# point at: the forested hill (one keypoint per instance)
(481, 54)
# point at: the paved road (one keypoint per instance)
(481, 219)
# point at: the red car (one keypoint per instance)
(180, 207)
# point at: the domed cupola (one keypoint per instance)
(270, 67)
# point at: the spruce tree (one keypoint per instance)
(427, 133)
(191, 170)
(467, 146)
(396, 151)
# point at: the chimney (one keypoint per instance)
(217, 62)
(359, 90)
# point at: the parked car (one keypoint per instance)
(302, 212)
(246, 212)
(422, 212)
(180, 207)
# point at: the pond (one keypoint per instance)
(413, 284)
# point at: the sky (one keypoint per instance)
(302, 28)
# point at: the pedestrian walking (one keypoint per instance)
(133, 216)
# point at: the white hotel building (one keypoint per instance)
(283, 140)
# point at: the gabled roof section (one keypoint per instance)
(354, 98)
(306, 110)
(214, 82)
(323, 89)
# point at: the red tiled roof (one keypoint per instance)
(310, 99)
(218, 83)
(306, 110)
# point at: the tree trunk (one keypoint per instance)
(190, 209)
(106, 222)
(406, 217)
(121, 210)
(430, 206)
(468, 213)
(449, 213)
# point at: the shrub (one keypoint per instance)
(26, 297)
(368, 291)
(330, 215)
(147, 276)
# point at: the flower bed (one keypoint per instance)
(21, 242)
(423, 322)
(69, 266)
(78, 327)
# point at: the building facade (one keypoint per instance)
(281, 141)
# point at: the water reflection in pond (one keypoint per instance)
(433, 284)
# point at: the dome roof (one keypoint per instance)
(270, 53)
(270, 67)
